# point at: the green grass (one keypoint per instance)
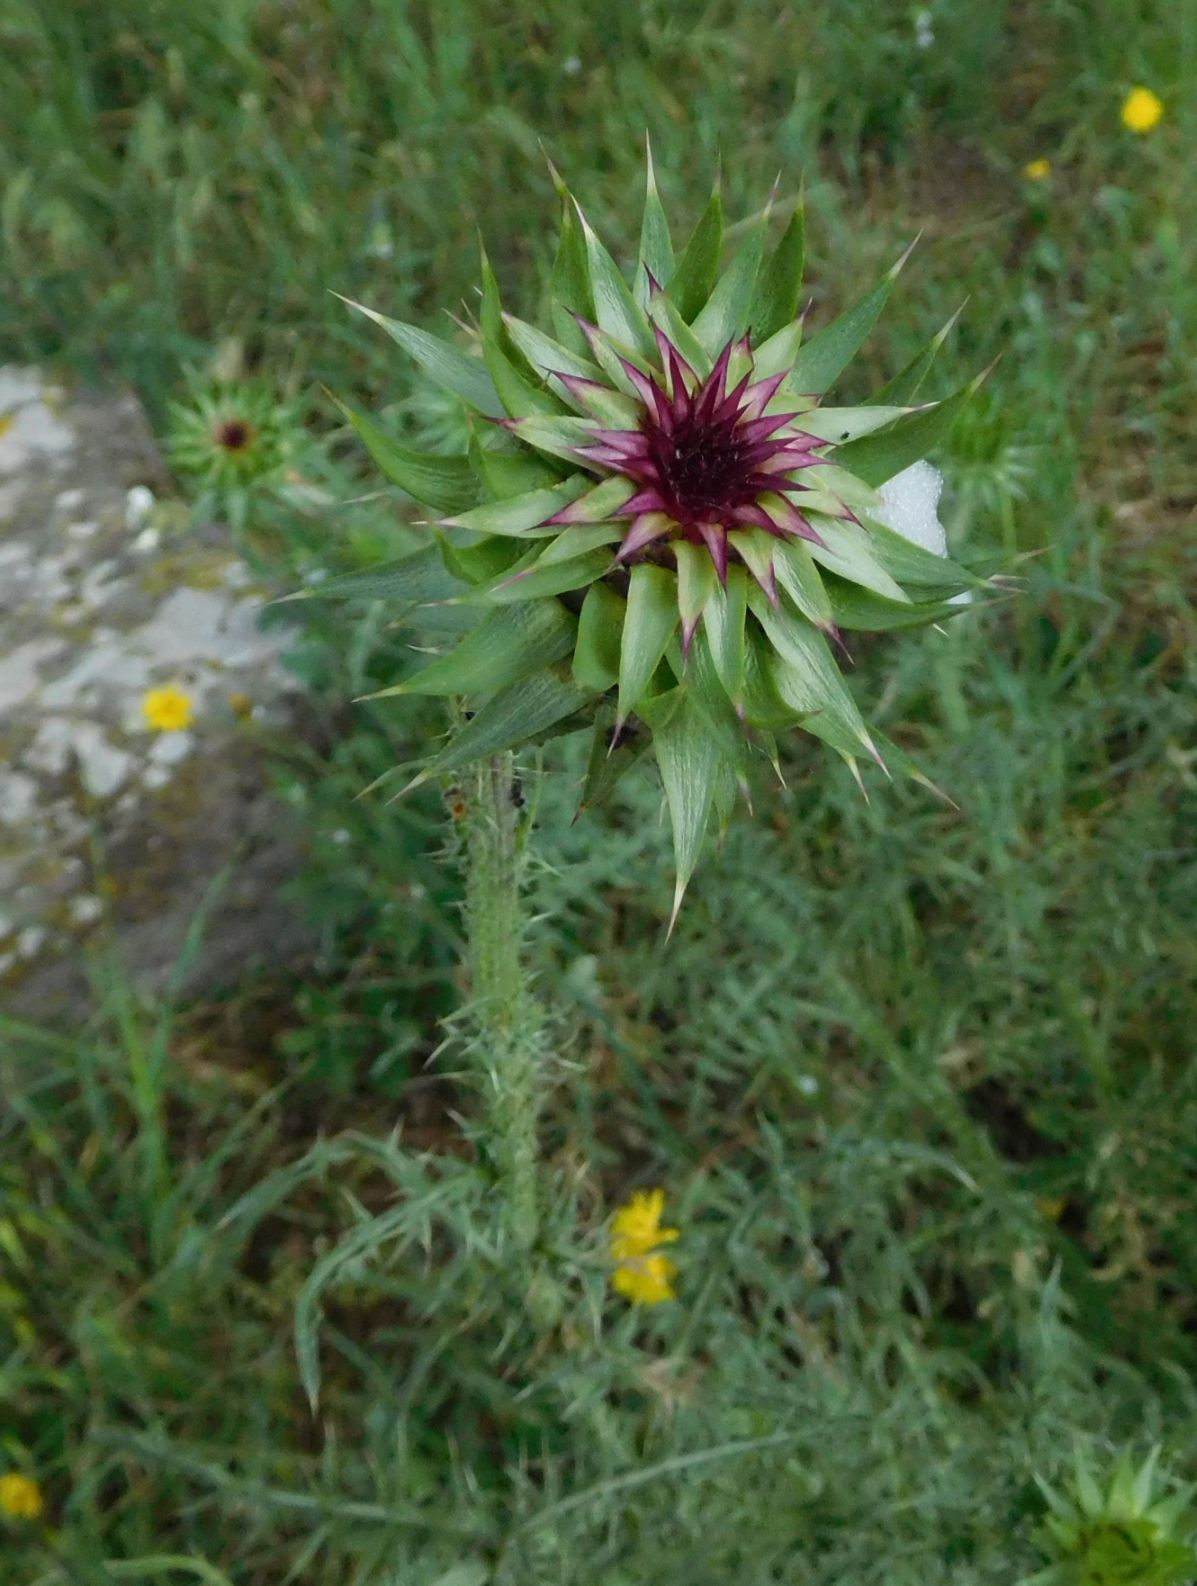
(919, 1081)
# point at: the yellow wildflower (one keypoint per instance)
(1141, 110)
(20, 1496)
(636, 1227)
(168, 709)
(1037, 170)
(642, 1274)
(645, 1280)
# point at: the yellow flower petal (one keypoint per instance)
(20, 1497)
(168, 709)
(1141, 110)
(645, 1280)
(636, 1226)
(1037, 170)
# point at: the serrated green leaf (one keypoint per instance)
(907, 383)
(409, 581)
(466, 377)
(515, 715)
(649, 624)
(724, 316)
(506, 645)
(876, 458)
(615, 309)
(521, 515)
(829, 352)
(656, 245)
(806, 677)
(723, 620)
(798, 577)
(446, 484)
(780, 287)
(691, 283)
(600, 635)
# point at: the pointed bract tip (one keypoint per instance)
(650, 170)
(679, 892)
(857, 778)
(905, 254)
(945, 330)
(875, 754)
(925, 781)
(417, 781)
(554, 173)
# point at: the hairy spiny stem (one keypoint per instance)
(508, 1022)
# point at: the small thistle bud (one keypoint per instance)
(1131, 1535)
(232, 439)
(660, 519)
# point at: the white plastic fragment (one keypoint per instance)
(910, 502)
(910, 506)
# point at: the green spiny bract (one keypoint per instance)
(1130, 1535)
(664, 528)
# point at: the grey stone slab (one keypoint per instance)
(111, 831)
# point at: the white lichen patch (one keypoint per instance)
(86, 909)
(139, 503)
(107, 593)
(30, 427)
(18, 798)
(21, 670)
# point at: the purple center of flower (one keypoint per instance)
(706, 460)
(701, 470)
(233, 434)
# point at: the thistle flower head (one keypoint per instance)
(231, 437)
(705, 457)
(1130, 1535)
(660, 518)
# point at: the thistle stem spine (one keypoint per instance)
(508, 1022)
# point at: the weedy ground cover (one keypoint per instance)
(918, 1082)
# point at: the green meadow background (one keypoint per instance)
(919, 1082)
